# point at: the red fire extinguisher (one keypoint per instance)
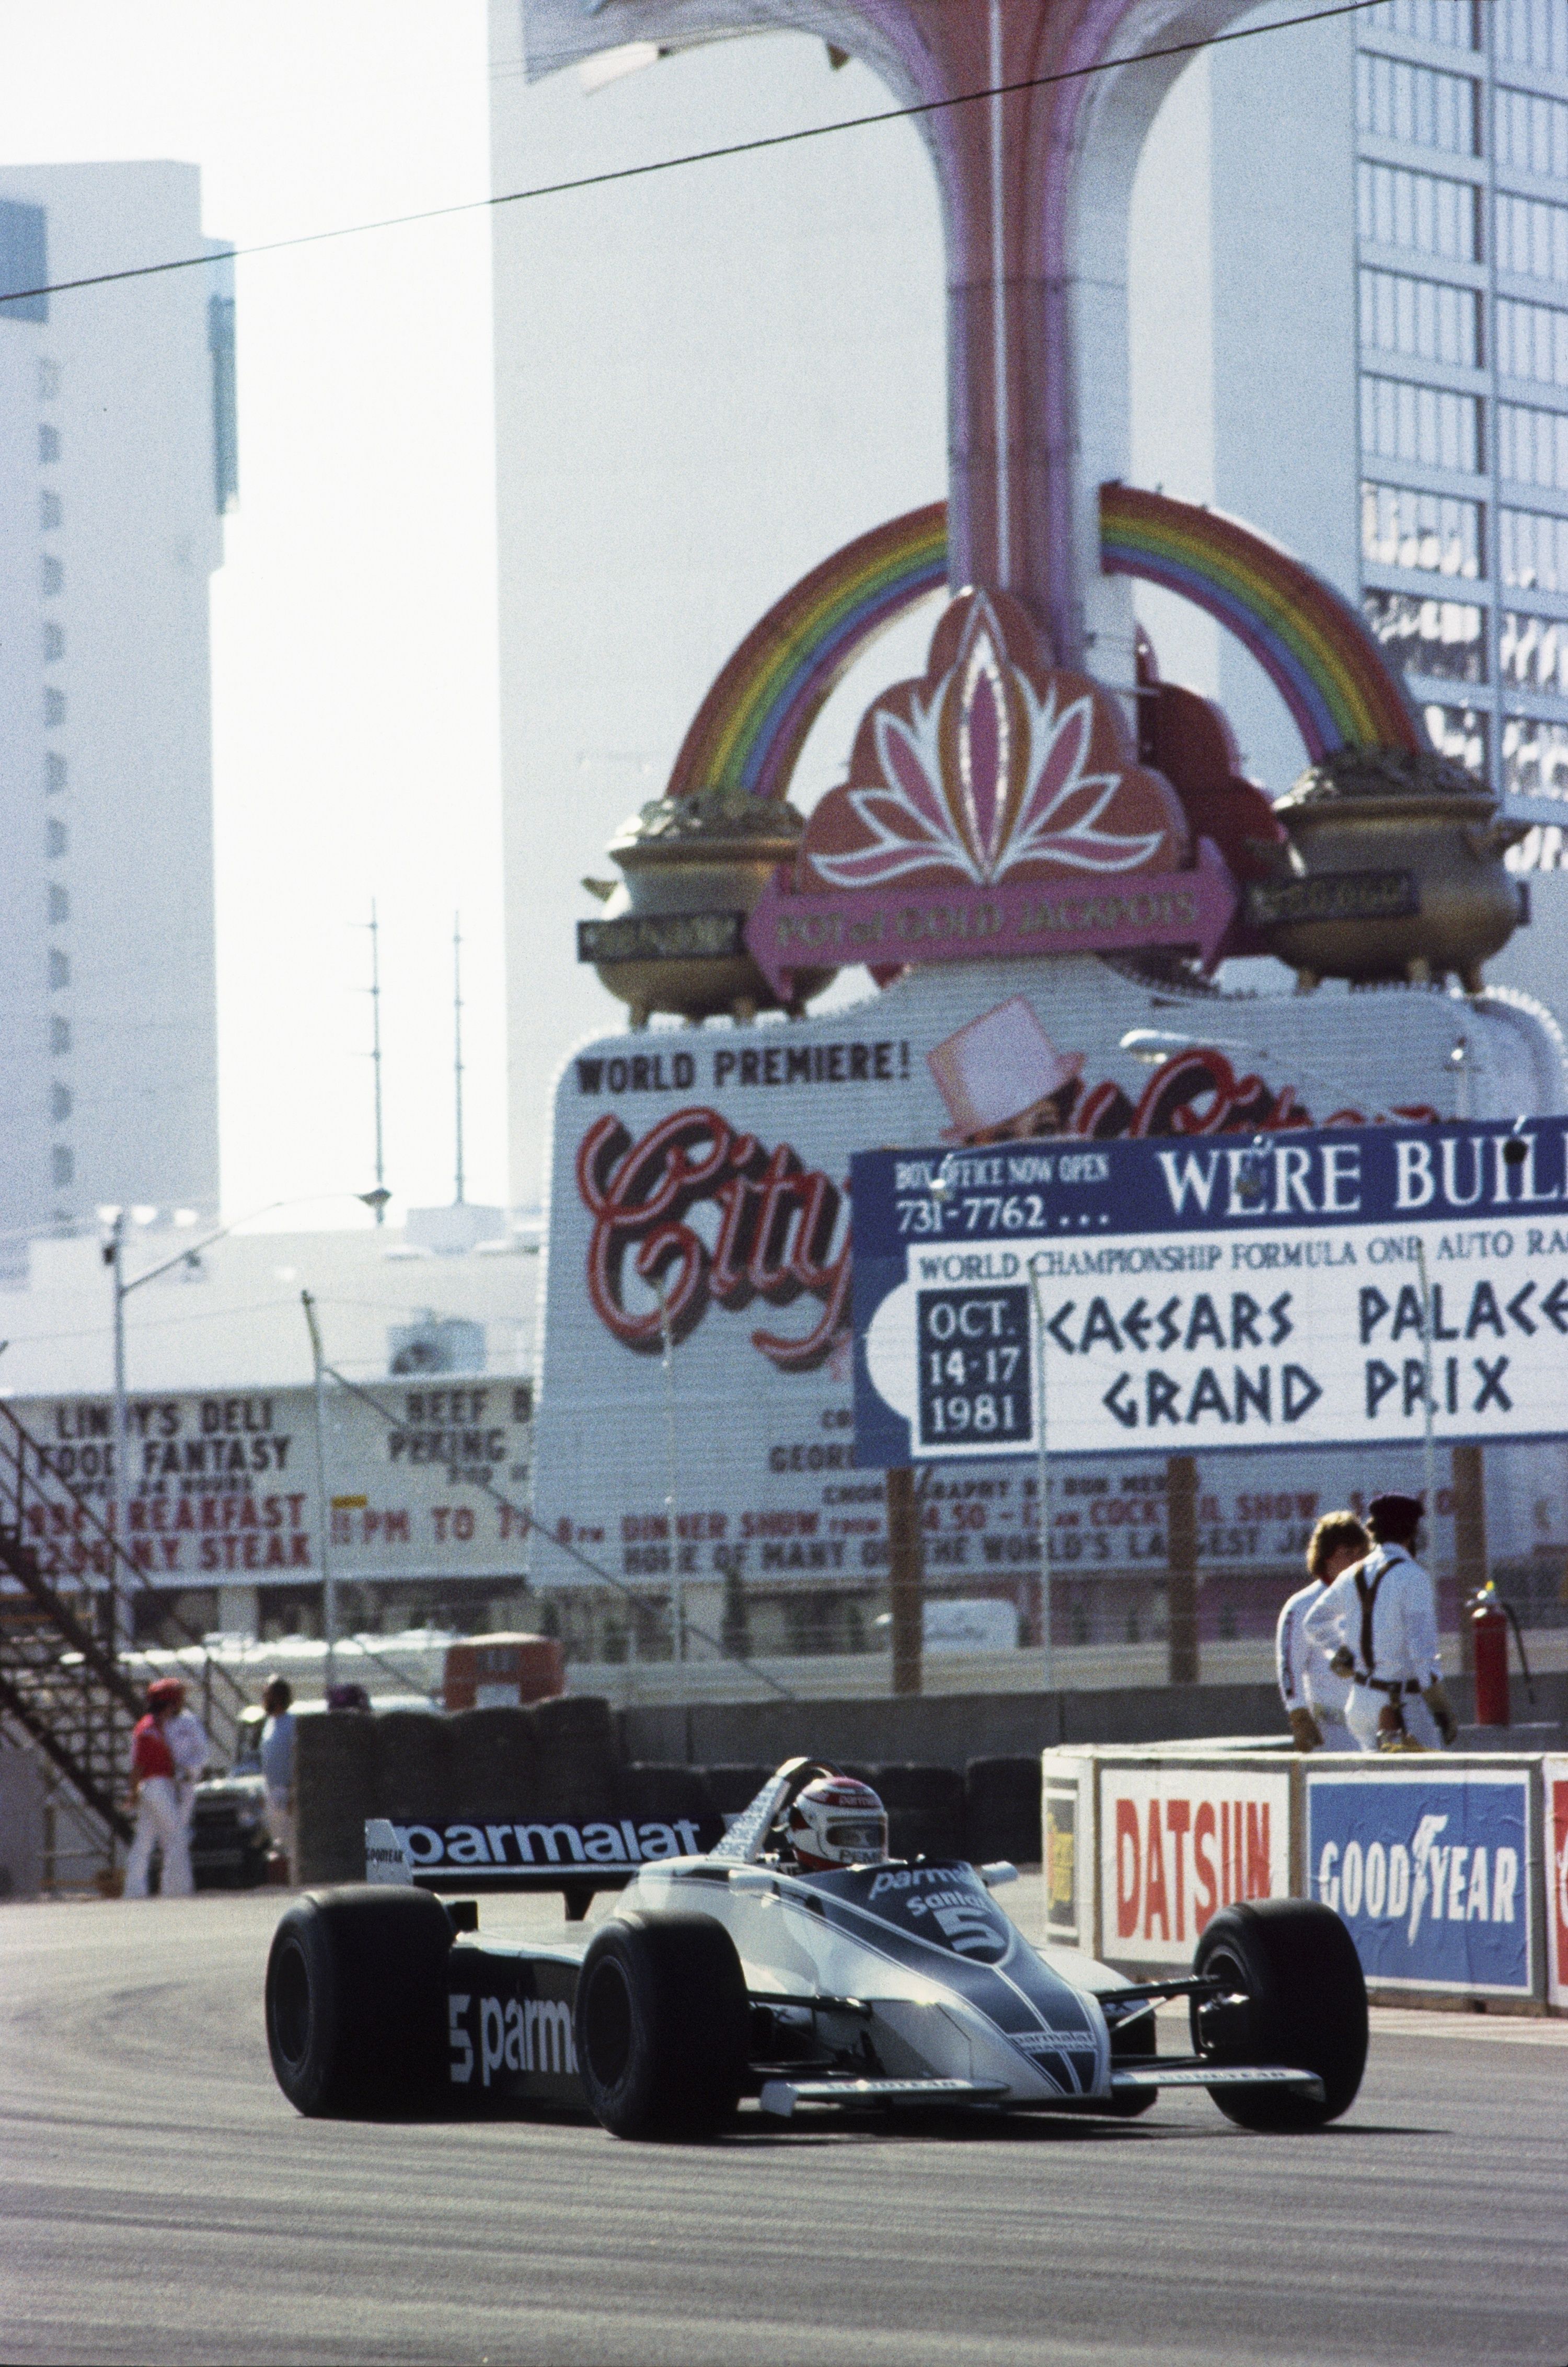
(1489, 1626)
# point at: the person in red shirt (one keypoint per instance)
(155, 1798)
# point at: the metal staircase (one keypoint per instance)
(67, 1594)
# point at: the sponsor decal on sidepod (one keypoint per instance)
(516, 2034)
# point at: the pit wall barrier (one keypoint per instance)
(1450, 1870)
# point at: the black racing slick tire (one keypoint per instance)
(355, 1999)
(1299, 1999)
(663, 2023)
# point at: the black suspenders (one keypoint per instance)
(1367, 1595)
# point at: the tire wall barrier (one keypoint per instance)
(554, 1759)
(557, 1759)
(1450, 1869)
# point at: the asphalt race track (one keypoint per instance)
(162, 2202)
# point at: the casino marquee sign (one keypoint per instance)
(1321, 1288)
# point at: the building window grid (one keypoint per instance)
(1519, 655)
(1426, 534)
(1530, 343)
(1424, 320)
(1420, 106)
(1422, 426)
(1531, 33)
(1530, 134)
(1419, 213)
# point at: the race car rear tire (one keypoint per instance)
(1296, 1967)
(355, 1999)
(662, 2026)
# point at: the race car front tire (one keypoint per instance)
(1301, 1998)
(662, 2026)
(355, 1999)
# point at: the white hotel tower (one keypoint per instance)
(117, 459)
(1350, 272)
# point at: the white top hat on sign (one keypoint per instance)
(998, 1067)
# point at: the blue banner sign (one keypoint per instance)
(1316, 1286)
(1431, 1872)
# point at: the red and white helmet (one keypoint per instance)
(836, 1821)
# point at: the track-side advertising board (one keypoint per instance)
(1177, 1844)
(1554, 1787)
(1211, 1293)
(1431, 1870)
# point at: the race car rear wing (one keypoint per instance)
(558, 1854)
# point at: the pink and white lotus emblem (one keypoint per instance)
(994, 767)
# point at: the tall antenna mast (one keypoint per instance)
(376, 1052)
(458, 1045)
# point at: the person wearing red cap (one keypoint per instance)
(1379, 1620)
(155, 1796)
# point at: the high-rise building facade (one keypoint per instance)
(1372, 214)
(117, 460)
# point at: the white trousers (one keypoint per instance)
(280, 1825)
(1337, 1735)
(1361, 1712)
(160, 1816)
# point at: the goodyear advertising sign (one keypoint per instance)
(1431, 1872)
(1313, 1287)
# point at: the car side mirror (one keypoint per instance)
(997, 1875)
(750, 1878)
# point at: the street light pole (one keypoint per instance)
(114, 1257)
(1043, 1483)
(1429, 1457)
(677, 1582)
(324, 1521)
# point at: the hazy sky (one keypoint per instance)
(354, 620)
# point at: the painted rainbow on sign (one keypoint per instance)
(750, 729)
(1311, 642)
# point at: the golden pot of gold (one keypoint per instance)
(1394, 869)
(671, 937)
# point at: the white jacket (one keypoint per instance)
(1306, 1681)
(1395, 1639)
(187, 1738)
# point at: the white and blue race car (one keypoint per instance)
(737, 1976)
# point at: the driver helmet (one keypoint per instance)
(837, 1821)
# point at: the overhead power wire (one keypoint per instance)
(228, 255)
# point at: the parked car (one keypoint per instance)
(230, 1844)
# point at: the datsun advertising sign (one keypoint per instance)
(1177, 1844)
(1430, 1871)
(1206, 1294)
(1554, 1782)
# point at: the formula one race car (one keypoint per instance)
(755, 1971)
